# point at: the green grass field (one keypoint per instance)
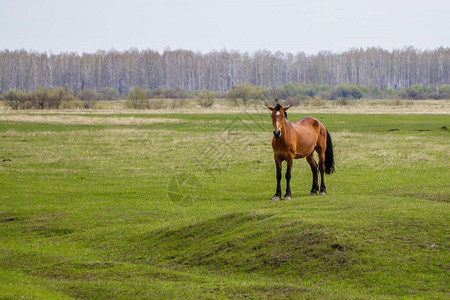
(178, 206)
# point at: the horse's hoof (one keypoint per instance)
(287, 198)
(322, 193)
(312, 194)
(276, 198)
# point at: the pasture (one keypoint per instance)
(177, 205)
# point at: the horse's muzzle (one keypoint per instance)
(277, 133)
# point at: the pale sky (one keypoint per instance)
(292, 26)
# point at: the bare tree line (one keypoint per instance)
(221, 70)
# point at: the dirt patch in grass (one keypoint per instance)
(10, 219)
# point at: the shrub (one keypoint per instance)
(206, 98)
(349, 91)
(164, 93)
(109, 94)
(438, 92)
(14, 99)
(64, 94)
(136, 98)
(415, 92)
(341, 102)
(324, 94)
(88, 96)
(292, 101)
(178, 103)
(297, 100)
(177, 93)
(245, 92)
(293, 90)
(41, 98)
(444, 91)
(317, 102)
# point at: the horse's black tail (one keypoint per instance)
(329, 157)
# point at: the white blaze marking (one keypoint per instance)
(278, 113)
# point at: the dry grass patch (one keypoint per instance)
(383, 106)
(81, 120)
(361, 149)
(380, 107)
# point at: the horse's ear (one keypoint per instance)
(270, 107)
(286, 108)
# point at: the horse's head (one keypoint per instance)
(278, 116)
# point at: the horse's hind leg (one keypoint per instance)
(323, 189)
(312, 163)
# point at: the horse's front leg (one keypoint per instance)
(277, 196)
(288, 195)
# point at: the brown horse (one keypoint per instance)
(299, 140)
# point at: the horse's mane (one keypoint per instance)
(278, 107)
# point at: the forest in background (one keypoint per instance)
(222, 71)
